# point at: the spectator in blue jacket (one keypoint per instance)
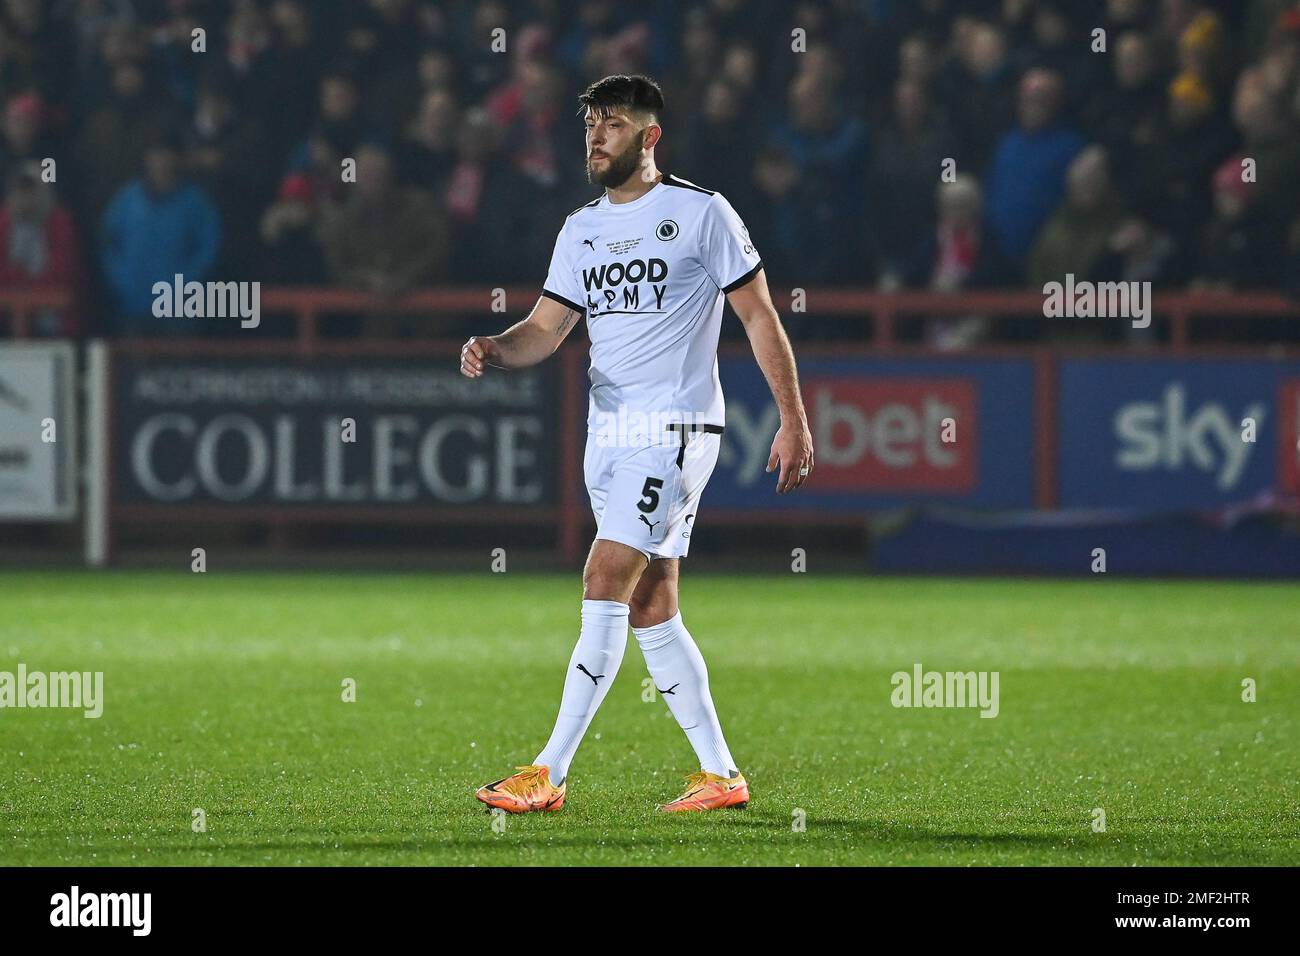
(1026, 179)
(816, 218)
(157, 227)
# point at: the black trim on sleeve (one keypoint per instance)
(563, 301)
(670, 180)
(733, 286)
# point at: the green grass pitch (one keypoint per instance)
(223, 692)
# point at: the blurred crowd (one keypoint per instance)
(927, 144)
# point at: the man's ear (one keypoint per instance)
(652, 134)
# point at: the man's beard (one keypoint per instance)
(620, 168)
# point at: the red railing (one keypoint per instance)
(309, 305)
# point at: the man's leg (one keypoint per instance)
(608, 581)
(676, 665)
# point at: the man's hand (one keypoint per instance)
(525, 343)
(476, 354)
(792, 449)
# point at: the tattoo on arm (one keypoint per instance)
(569, 318)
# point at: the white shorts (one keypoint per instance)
(647, 497)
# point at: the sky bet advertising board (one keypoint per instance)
(885, 433)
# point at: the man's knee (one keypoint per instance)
(647, 612)
(604, 585)
(612, 572)
(655, 598)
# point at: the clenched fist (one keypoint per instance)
(476, 355)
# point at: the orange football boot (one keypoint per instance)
(529, 789)
(709, 791)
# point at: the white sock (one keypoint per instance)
(592, 669)
(678, 670)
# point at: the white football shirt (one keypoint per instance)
(651, 276)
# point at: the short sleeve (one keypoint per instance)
(561, 281)
(727, 252)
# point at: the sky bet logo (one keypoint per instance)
(888, 434)
(601, 284)
(1167, 435)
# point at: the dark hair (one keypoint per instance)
(633, 93)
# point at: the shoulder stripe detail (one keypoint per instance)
(671, 180)
(564, 302)
(581, 208)
(733, 286)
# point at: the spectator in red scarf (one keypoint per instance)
(493, 207)
(38, 245)
(958, 254)
(506, 102)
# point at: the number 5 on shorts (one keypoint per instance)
(650, 495)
